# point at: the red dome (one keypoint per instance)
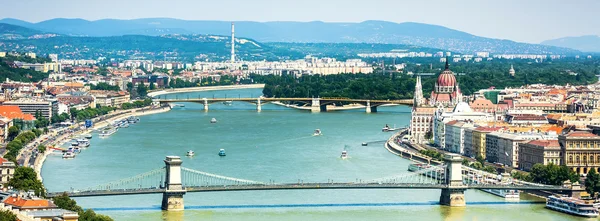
(446, 79)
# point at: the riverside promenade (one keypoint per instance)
(59, 138)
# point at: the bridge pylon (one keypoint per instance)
(205, 104)
(454, 193)
(315, 105)
(258, 105)
(174, 190)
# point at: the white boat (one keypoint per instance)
(228, 103)
(510, 195)
(317, 132)
(387, 128)
(213, 120)
(222, 152)
(124, 124)
(68, 155)
(107, 131)
(74, 143)
(344, 154)
(83, 142)
(88, 136)
(190, 153)
(572, 206)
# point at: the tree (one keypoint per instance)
(13, 132)
(141, 90)
(480, 159)
(65, 202)
(466, 162)
(41, 148)
(46, 130)
(25, 179)
(592, 182)
(6, 215)
(490, 169)
(152, 86)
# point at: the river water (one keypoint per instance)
(274, 145)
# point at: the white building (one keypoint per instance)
(503, 148)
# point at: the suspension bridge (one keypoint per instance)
(314, 104)
(174, 181)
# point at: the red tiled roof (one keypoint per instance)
(25, 203)
(544, 143)
(581, 134)
(14, 112)
(488, 129)
(2, 160)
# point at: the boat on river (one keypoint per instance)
(573, 206)
(344, 154)
(509, 195)
(68, 155)
(387, 128)
(88, 136)
(190, 153)
(222, 152)
(317, 132)
(213, 120)
(107, 131)
(83, 142)
(228, 103)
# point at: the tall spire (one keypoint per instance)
(447, 65)
(418, 96)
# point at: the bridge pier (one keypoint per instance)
(258, 105)
(174, 191)
(368, 108)
(316, 105)
(205, 104)
(454, 194)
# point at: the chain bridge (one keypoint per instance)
(174, 181)
(312, 104)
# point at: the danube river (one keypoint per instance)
(274, 145)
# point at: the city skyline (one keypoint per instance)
(531, 21)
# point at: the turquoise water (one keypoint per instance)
(273, 145)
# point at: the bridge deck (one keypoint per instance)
(403, 101)
(305, 186)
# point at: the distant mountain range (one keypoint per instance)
(587, 43)
(424, 35)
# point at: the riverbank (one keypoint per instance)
(137, 113)
(209, 88)
(99, 123)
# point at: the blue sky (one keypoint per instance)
(521, 20)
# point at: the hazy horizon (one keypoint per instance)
(531, 21)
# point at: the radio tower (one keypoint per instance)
(232, 42)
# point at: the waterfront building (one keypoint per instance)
(444, 97)
(462, 112)
(539, 151)
(53, 214)
(455, 136)
(503, 148)
(7, 171)
(29, 203)
(580, 151)
(468, 141)
(46, 107)
(12, 115)
(478, 143)
(110, 98)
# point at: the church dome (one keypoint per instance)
(446, 79)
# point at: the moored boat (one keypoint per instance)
(572, 206)
(510, 195)
(83, 142)
(88, 136)
(222, 152)
(68, 155)
(107, 131)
